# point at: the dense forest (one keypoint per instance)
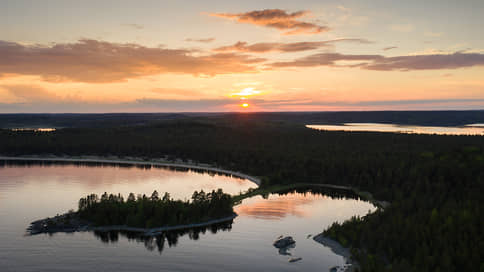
(434, 183)
(70, 120)
(153, 211)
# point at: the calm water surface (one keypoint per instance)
(34, 192)
(471, 129)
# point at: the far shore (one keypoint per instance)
(135, 161)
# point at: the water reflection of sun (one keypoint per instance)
(278, 206)
(245, 105)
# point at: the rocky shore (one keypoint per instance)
(70, 222)
(338, 249)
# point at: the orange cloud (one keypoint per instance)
(276, 18)
(99, 61)
(282, 47)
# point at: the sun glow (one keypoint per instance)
(247, 92)
(245, 105)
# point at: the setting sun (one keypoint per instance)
(190, 119)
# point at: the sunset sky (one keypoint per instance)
(211, 56)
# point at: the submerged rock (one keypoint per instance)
(292, 260)
(282, 242)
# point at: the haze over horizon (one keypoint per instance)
(224, 56)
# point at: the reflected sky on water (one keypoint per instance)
(472, 129)
(32, 192)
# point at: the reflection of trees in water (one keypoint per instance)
(275, 206)
(158, 242)
(125, 165)
(286, 251)
(317, 190)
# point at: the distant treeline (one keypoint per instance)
(433, 182)
(153, 211)
(73, 120)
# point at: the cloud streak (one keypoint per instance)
(381, 63)
(324, 59)
(427, 62)
(100, 61)
(204, 40)
(389, 48)
(32, 98)
(283, 47)
(135, 26)
(279, 19)
(224, 105)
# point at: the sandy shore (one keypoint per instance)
(135, 161)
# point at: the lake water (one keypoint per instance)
(33, 192)
(471, 129)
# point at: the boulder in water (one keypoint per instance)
(284, 242)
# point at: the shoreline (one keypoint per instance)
(337, 249)
(36, 227)
(135, 161)
(159, 230)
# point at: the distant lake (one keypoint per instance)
(34, 129)
(35, 191)
(471, 129)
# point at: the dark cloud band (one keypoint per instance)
(283, 47)
(381, 63)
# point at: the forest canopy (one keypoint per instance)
(434, 183)
(154, 211)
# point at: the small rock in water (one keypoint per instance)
(284, 242)
(292, 260)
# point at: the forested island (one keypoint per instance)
(139, 213)
(434, 183)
